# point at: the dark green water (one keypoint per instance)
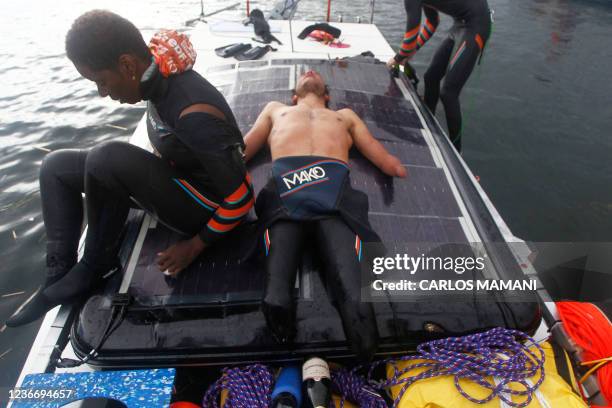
(537, 120)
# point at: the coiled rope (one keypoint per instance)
(353, 387)
(589, 327)
(247, 387)
(496, 353)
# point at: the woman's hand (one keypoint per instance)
(179, 256)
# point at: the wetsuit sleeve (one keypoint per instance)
(216, 145)
(432, 19)
(409, 44)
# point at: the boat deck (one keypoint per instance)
(428, 207)
(214, 304)
(440, 202)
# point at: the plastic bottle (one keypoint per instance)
(287, 391)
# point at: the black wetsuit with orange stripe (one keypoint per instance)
(456, 56)
(205, 148)
(197, 184)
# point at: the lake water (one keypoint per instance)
(537, 119)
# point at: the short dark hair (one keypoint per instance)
(99, 37)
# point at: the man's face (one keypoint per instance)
(114, 83)
(310, 82)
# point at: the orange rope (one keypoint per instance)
(590, 329)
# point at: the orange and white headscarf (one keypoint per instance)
(173, 52)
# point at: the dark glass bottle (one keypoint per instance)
(317, 383)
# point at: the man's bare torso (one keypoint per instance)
(304, 131)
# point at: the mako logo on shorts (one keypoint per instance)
(302, 177)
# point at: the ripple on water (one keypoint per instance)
(59, 134)
(11, 69)
(46, 57)
(19, 128)
(94, 109)
(49, 108)
(17, 96)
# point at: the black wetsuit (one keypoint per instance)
(309, 200)
(199, 185)
(457, 55)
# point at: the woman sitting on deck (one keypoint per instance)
(196, 185)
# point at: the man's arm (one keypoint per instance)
(258, 135)
(371, 148)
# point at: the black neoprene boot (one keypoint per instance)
(59, 262)
(280, 321)
(359, 323)
(80, 280)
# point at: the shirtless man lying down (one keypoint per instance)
(309, 196)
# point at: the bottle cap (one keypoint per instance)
(316, 369)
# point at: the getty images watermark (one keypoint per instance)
(460, 272)
(459, 265)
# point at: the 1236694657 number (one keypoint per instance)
(40, 394)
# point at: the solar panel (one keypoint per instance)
(210, 314)
(419, 208)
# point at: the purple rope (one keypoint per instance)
(248, 387)
(497, 352)
(353, 387)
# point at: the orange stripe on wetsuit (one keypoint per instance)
(237, 212)
(417, 37)
(427, 30)
(479, 41)
(233, 208)
(409, 43)
(196, 193)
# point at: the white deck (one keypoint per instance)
(221, 32)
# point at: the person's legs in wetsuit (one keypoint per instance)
(283, 245)
(114, 173)
(436, 71)
(468, 42)
(109, 174)
(61, 184)
(340, 253)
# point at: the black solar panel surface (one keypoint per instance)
(419, 208)
(211, 313)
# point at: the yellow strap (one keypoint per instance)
(607, 359)
(598, 364)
